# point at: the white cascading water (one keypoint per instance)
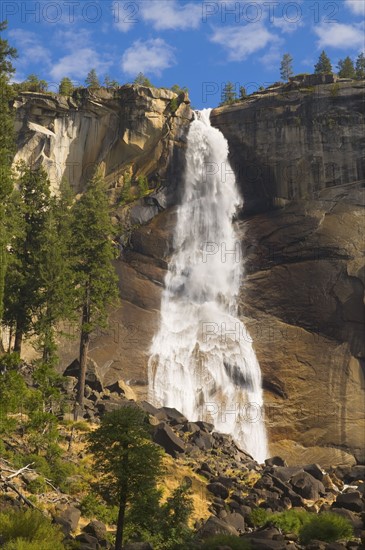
(202, 361)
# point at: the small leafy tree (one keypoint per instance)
(142, 80)
(228, 94)
(178, 90)
(92, 80)
(286, 67)
(66, 87)
(129, 463)
(323, 66)
(346, 68)
(360, 66)
(94, 276)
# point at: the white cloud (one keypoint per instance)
(287, 26)
(340, 35)
(164, 15)
(356, 6)
(31, 50)
(241, 42)
(150, 56)
(78, 64)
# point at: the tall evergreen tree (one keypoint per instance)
(228, 94)
(142, 80)
(95, 278)
(346, 68)
(286, 67)
(323, 66)
(129, 462)
(92, 79)
(7, 53)
(66, 87)
(360, 66)
(56, 294)
(23, 284)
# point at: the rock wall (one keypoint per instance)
(301, 233)
(135, 130)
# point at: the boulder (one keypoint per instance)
(87, 542)
(235, 520)
(203, 440)
(275, 461)
(350, 501)
(92, 378)
(215, 526)
(218, 489)
(68, 519)
(355, 520)
(173, 416)
(205, 426)
(96, 529)
(307, 486)
(166, 438)
(314, 470)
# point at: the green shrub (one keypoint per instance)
(174, 105)
(19, 529)
(92, 506)
(327, 526)
(37, 486)
(235, 543)
(142, 185)
(289, 521)
(259, 517)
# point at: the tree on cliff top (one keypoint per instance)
(129, 462)
(346, 68)
(94, 276)
(142, 80)
(286, 67)
(360, 66)
(323, 66)
(66, 87)
(228, 94)
(92, 80)
(7, 53)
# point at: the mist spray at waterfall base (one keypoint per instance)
(202, 361)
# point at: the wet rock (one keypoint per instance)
(275, 461)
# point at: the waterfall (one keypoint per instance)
(202, 361)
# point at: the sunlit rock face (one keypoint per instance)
(298, 159)
(134, 130)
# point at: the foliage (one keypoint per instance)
(128, 462)
(94, 276)
(7, 144)
(143, 187)
(323, 66)
(228, 94)
(360, 66)
(125, 195)
(18, 528)
(93, 507)
(289, 521)
(230, 541)
(243, 92)
(110, 83)
(92, 79)
(66, 87)
(346, 68)
(174, 105)
(142, 80)
(37, 486)
(34, 84)
(286, 67)
(49, 383)
(178, 90)
(259, 517)
(326, 526)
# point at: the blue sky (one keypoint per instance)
(198, 44)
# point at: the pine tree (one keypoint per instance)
(243, 92)
(94, 275)
(129, 462)
(286, 67)
(7, 146)
(66, 87)
(34, 84)
(360, 67)
(92, 80)
(23, 283)
(142, 80)
(324, 64)
(110, 83)
(346, 68)
(56, 296)
(228, 94)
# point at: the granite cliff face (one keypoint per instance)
(135, 130)
(298, 157)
